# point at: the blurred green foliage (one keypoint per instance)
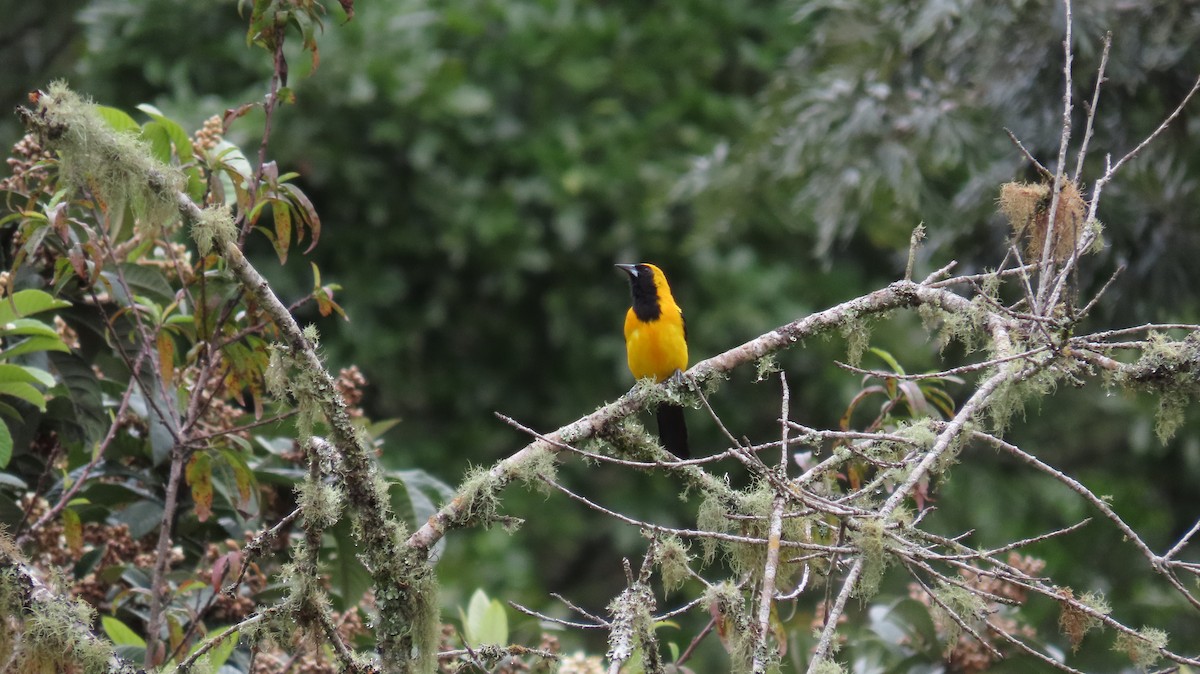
(479, 166)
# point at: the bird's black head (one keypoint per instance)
(642, 286)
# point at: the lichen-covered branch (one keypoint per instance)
(56, 634)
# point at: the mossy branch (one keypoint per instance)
(57, 632)
(898, 295)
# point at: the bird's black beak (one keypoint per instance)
(630, 269)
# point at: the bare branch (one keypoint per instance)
(821, 652)
(774, 534)
(1108, 174)
(1091, 110)
(1032, 160)
(1047, 266)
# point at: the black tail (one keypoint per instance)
(672, 431)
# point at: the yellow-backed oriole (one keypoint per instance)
(656, 345)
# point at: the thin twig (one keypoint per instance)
(833, 613)
(689, 533)
(1028, 155)
(942, 374)
(1155, 134)
(1019, 544)
(1091, 109)
(1047, 266)
(987, 646)
(559, 621)
(1087, 308)
(1182, 542)
(774, 534)
(691, 648)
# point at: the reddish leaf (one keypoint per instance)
(225, 563)
(234, 113)
(78, 263)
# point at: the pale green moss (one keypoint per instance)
(320, 503)
(478, 503)
(52, 639)
(711, 516)
(869, 541)
(215, 225)
(117, 167)
(827, 666)
(1142, 648)
(1169, 368)
(858, 337)
(728, 606)
(1075, 623)
(766, 366)
(275, 378)
(538, 470)
(965, 604)
(671, 556)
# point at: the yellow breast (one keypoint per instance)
(656, 348)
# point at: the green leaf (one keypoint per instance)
(160, 143)
(142, 517)
(38, 343)
(243, 477)
(82, 390)
(308, 214)
(88, 561)
(6, 445)
(27, 303)
(173, 131)
(162, 441)
(200, 479)
(415, 497)
(26, 374)
(72, 530)
(118, 119)
(889, 359)
(24, 392)
(912, 622)
(142, 280)
(486, 622)
(119, 632)
(27, 326)
(218, 654)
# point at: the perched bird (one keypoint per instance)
(656, 345)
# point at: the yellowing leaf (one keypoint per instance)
(166, 356)
(283, 228)
(72, 530)
(199, 478)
